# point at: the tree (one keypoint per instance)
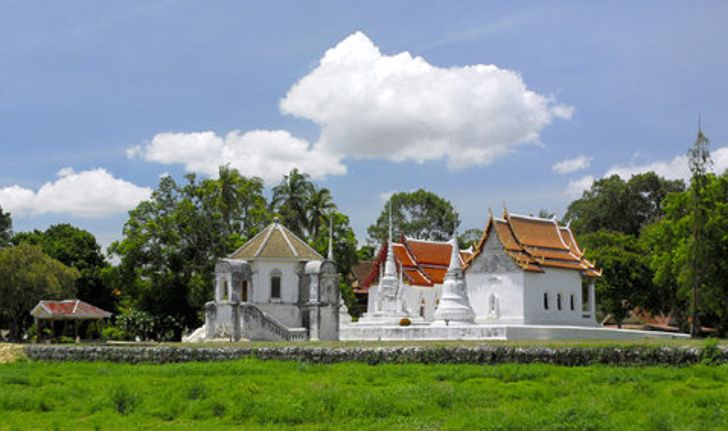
(28, 275)
(318, 206)
(626, 281)
(172, 242)
(621, 206)
(420, 214)
(699, 162)
(76, 248)
(6, 228)
(469, 238)
(290, 201)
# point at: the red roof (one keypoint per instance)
(68, 309)
(424, 263)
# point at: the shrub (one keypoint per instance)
(113, 333)
(711, 354)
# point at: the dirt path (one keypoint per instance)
(10, 352)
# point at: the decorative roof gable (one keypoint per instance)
(536, 243)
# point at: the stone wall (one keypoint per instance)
(571, 356)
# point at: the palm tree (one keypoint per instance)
(318, 209)
(290, 199)
(228, 195)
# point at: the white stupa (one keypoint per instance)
(454, 306)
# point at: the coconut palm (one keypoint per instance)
(290, 199)
(318, 209)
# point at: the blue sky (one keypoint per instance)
(115, 91)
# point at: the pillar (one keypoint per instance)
(218, 288)
(229, 278)
(592, 301)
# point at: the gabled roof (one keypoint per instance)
(276, 241)
(423, 263)
(536, 243)
(68, 309)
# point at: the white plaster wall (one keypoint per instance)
(554, 281)
(414, 295)
(493, 272)
(286, 308)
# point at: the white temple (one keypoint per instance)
(274, 287)
(526, 279)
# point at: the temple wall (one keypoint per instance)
(554, 281)
(495, 285)
(285, 309)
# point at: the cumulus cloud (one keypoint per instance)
(400, 107)
(571, 165)
(264, 153)
(576, 187)
(369, 105)
(675, 168)
(93, 193)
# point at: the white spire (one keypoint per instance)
(331, 237)
(454, 304)
(390, 220)
(390, 268)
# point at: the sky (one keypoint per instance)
(484, 103)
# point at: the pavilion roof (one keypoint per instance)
(537, 243)
(68, 309)
(276, 241)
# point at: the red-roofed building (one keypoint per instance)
(67, 310)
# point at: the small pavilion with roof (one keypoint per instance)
(274, 288)
(68, 310)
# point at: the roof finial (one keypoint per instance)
(330, 256)
(505, 208)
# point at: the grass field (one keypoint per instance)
(251, 394)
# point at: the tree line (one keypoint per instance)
(661, 245)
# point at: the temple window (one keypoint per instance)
(558, 301)
(571, 299)
(275, 285)
(422, 308)
(545, 301)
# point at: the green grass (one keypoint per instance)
(253, 394)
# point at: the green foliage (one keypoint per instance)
(288, 395)
(291, 201)
(28, 275)
(711, 353)
(626, 281)
(365, 252)
(113, 333)
(419, 214)
(6, 228)
(671, 246)
(171, 243)
(469, 238)
(615, 205)
(78, 249)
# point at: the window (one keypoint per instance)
(422, 308)
(571, 300)
(244, 291)
(558, 301)
(545, 301)
(275, 285)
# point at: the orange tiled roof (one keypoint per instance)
(535, 243)
(424, 262)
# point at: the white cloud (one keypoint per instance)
(676, 168)
(93, 193)
(400, 107)
(571, 165)
(371, 105)
(577, 187)
(264, 153)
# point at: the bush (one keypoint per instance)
(122, 400)
(711, 353)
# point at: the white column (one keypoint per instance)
(218, 289)
(592, 301)
(230, 286)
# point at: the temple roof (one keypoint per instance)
(536, 243)
(278, 242)
(68, 309)
(423, 263)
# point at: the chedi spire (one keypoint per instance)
(454, 306)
